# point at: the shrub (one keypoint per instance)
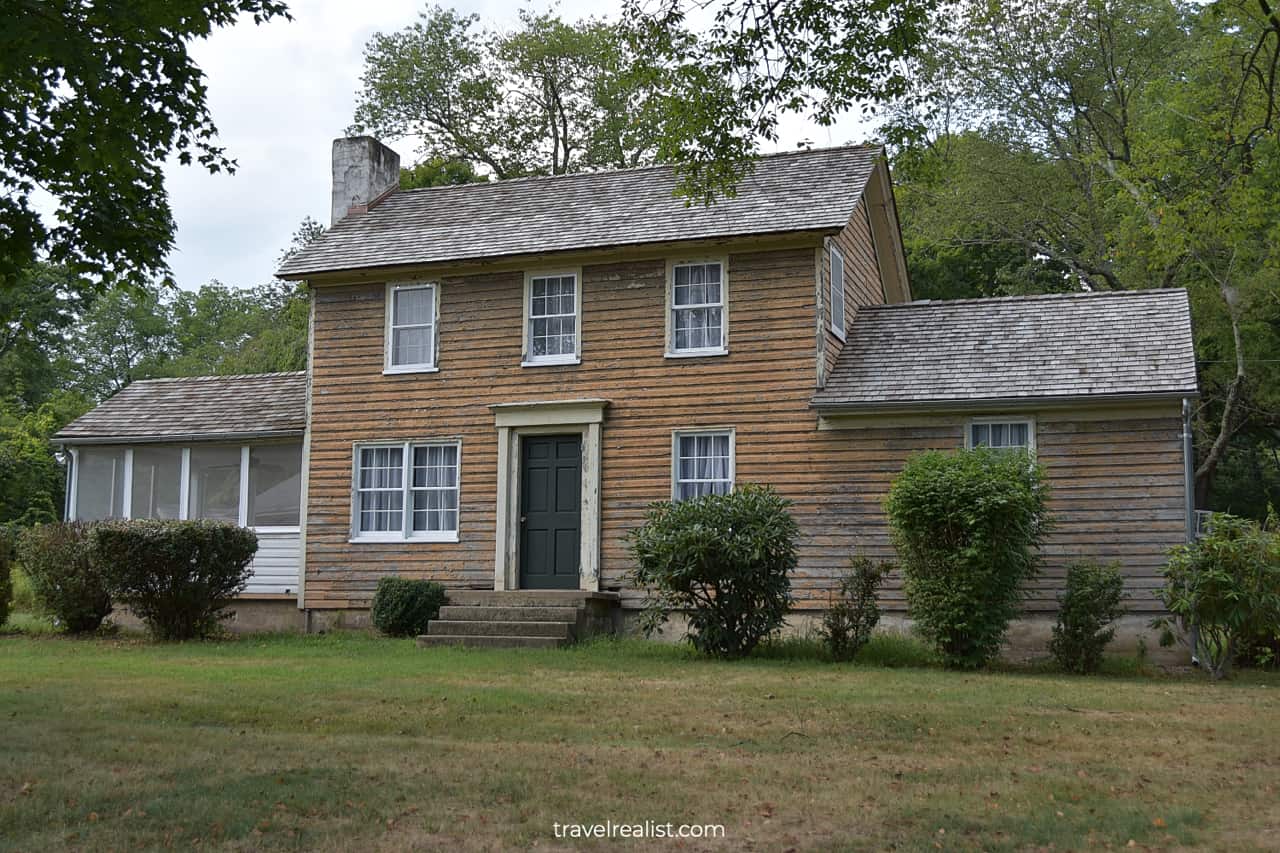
(68, 585)
(725, 559)
(1088, 606)
(966, 526)
(176, 576)
(6, 565)
(1227, 585)
(402, 608)
(853, 613)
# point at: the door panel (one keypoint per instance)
(550, 511)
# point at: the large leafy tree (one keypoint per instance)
(547, 98)
(720, 89)
(1114, 144)
(94, 97)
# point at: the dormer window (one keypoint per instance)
(553, 307)
(412, 309)
(697, 299)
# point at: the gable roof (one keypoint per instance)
(797, 191)
(1022, 348)
(261, 405)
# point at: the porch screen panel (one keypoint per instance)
(275, 484)
(100, 483)
(215, 483)
(157, 482)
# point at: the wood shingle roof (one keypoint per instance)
(196, 408)
(1059, 346)
(797, 191)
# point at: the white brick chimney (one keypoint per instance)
(364, 170)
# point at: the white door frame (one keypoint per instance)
(514, 420)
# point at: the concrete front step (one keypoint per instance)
(500, 628)
(530, 598)
(468, 613)
(492, 642)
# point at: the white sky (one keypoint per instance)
(279, 95)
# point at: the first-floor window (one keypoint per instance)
(703, 464)
(1002, 435)
(407, 490)
(100, 474)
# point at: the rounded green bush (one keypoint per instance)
(58, 560)
(176, 576)
(402, 607)
(967, 525)
(726, 560)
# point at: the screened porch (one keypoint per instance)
(255, 485)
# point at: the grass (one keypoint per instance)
(347, 741)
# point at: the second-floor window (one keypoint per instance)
(552, 323)
(697, 321)
(411, 327)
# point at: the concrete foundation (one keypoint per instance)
(247, 616)
(1027, 639)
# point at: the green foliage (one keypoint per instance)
(6, 569)
(966, 526)
(95, 99)
(1107, 146)
(1088, 606)
(854, 613)
(439, 171)
(1227, 586)
(546, 98)
(177, 576)
(68, 583)
(724, 559)
(22, 596)
(724, 87)
(403, 607)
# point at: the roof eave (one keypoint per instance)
(479, 264)
(171, 438)
(1006, 403)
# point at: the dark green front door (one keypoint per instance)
(550, 521)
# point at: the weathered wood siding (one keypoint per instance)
(862, 285)
(761, 388)
(1117, 494)
(1116, 476)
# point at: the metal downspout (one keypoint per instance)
(1189, 478)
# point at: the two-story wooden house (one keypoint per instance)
(503, 376)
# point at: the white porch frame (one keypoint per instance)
(515, 420)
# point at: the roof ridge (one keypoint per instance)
(211, 377)
(1028, 297)
(771, 155)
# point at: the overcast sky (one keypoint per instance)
(279, 95)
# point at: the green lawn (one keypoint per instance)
(351, 742)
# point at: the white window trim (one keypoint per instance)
(406, 532)
(388, 338)
(1002, 419)
(678, 434)
(526, 357)
(702, 352)
(837, 323)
